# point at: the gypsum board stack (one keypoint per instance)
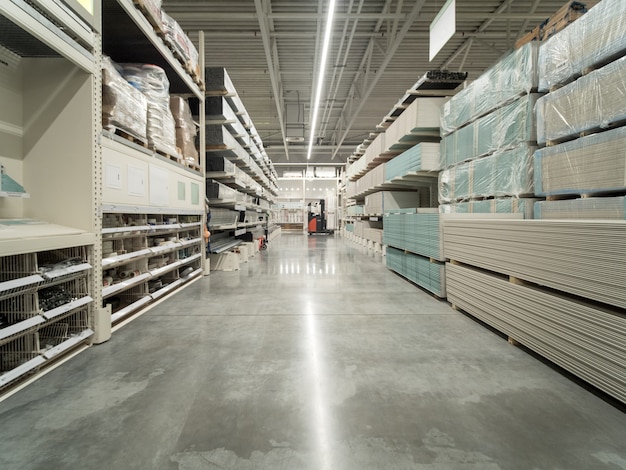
(594, 101)
(595, 38)
(422, 157)
(418, 269)
(508, 205)
(583, 258)
(419, 233)
(594, 163)
(583, 338)
(584, 208)
(504, 128)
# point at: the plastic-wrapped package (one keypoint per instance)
(505, 205)
(594, 163)
(597, 37)
(514, 75)
(594, 101)
(123, 106)
(153, 83)
(180, 43)
(185, 129)
(423, 157)
(506, 173)
(585, 208)
(152, 11)
(504, 128)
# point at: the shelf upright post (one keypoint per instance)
(101, 316)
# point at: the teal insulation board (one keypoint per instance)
(423, 157)
(585, 208)
(418, 232)
(591, 164)
(418, 269)
(595, 38)
(506, 173)
(513, 76)
(506, 127)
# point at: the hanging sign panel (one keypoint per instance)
(442, 28)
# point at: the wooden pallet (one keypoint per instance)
(166, 154)
(131, 138)
(152, 13)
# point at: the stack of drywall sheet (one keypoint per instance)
(504, 128)
(373, 153)
(579, 257)
(583, 338)
(595, 101)
(355, 170)
(383, 201)
(359, 228)
(422, 157)
(585, 208)
(513, 76)
(596, 38)
(355, 210)
(417, 231)
(507, 173)
(508, 205)
(373, 178)
(417, 123)
(418, 269)
(373, 234)
(595, 163)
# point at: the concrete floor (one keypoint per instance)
(312, 356)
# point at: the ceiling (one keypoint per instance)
(379, 49)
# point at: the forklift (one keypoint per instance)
(317, 219)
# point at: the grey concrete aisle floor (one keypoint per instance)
(312, 356)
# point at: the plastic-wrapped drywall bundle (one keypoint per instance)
(597, 100)
(505, 205)
(596, 38)
(185, 129)
(506, 173)
(123, 106)
(591, 164)
(515, 75)
(584, 208)
(504, 128)
(153, 83)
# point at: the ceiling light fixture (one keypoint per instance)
(320, 78)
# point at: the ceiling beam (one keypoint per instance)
(408, 22)
(183, 14)
(271, 55)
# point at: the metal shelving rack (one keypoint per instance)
(49, 83)
(52, 144)
(246, 181)
(153, 207)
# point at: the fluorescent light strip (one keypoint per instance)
(320, 77)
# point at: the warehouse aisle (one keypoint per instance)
(312, 356)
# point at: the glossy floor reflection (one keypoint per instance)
(312, 356)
